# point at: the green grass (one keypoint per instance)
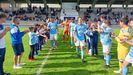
(61, 61)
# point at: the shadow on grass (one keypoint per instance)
(77, 72)
(69, 64)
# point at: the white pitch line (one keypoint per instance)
(43, 63)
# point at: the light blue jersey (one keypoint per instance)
(131, 52)
(103, 26)
(72, 26)
(106, 39)
(53, 27)
(32, 38)
(37, 38)
(80, 30)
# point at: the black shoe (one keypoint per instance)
(6, 73)
(83, 61)
(107, 66)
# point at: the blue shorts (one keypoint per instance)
(2, 57)
(18, 49)
(22, 48)
(2, 54)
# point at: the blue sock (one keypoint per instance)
(72, 43)
(52, 43)
(82, 54)
(107, 59)
(125, 70)
(78, 50)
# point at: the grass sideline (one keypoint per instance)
(61, 61)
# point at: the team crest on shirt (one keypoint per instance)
(53, 27)
(80, 32)
(14, 30)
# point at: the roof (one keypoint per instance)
(79, 1)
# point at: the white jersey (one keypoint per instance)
(2, 40)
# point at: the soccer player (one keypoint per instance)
(101, 26)
(41, 38)
(32, 43)
(66, 30)
(38, 43)
(129, 57)
(2, 42)
(46, 32)
(92, 42)
(123, 48)
(53, 27)
(72, 25)
(17, 45)
(88, 39)
(37, 40)
(106, 42)
(79, 38)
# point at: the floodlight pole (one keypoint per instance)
(93, 4)
(13, 4)
(78, 2)
(45, 3)
(61, 3)
(28, 2)
(110, 3)
(0, 4)
(127, 3)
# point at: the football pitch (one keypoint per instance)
(62, 61)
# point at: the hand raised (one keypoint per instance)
(26, 31)
(7, 29)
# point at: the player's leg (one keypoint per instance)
(17, 54)
(82, 43)
(72, 39)
(88, 46)
(30, 54)
(72, 42)
(127, 61)
(46, 39)
(77, 44)
(63, 36)
(52, 41)
(67, 35)
(125, 68)
(107, 55)
(33, 50)
(104, 52)
(120, 68)
(96, 49)
(22, 51)
(92, 48)
(55, 40)
(121, 56)
(36, 50)
(52, 44)
(40, 45)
